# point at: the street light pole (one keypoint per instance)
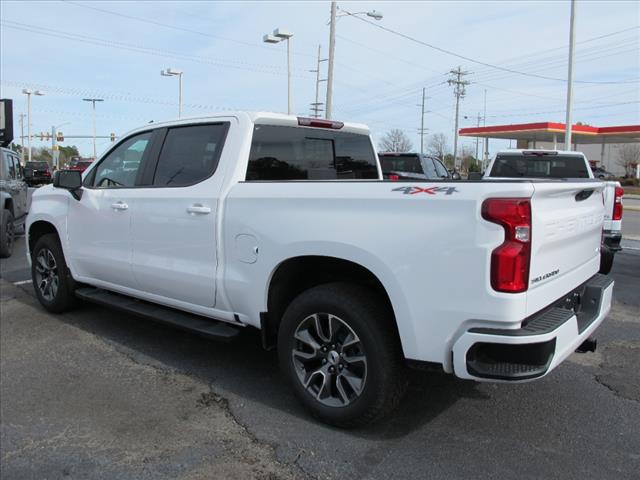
(280, 34)
(93, 101)
(332, 49)
(172, 72)
(332, 52)
(572, 38)
(28, 93)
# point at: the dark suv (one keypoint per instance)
(407, 166)
(13, 199)
(37, 173)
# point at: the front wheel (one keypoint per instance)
(340, 351)
(51, 277)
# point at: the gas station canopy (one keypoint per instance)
(554, 132)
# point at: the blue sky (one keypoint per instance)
(115, 50)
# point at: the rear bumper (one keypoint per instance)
(541, 343)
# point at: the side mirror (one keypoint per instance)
(456, 176)
(69, 180)
(474, 176)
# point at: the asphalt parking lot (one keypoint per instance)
(96, 394)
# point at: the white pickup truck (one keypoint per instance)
(550, 164)
(284, 224)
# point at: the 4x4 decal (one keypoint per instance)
(427, 190)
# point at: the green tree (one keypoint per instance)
(42, 154)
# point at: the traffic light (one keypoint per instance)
(60, 137)
(113, 137)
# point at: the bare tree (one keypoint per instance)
(395, 141)
(439, 145)
(628, 157)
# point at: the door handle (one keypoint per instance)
(119, 206)
(198, 208)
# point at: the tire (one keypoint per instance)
(368, 378)
(606, 262)
(51, 278)
(7, 233)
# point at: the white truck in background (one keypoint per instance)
(560, 164)
(284, 224)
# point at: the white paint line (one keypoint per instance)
(22, 282)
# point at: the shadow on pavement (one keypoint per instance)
(243, 369)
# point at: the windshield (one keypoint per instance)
(539, 166)
(401, 164)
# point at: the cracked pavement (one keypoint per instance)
(97, 394)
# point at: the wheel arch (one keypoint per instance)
(37, 229)
(296, 274)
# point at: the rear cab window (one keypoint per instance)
(299, 153)
(401, 163)
(539, 166)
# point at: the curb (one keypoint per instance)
(630, 208)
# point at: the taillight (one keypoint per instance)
(617, 204)
(394, 178)
(510, 261)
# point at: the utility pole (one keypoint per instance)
(316, 106)
(485, 157)
(572, 38)
(422, 131)
(459, 92)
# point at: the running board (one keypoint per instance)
(202, 326)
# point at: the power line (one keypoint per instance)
(262, 68)
(174, 27)
(469, 59)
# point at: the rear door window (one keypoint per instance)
(540, 166)
(429, 168)
(441, 170)
(298, 153)
(189, 154)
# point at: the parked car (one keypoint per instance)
(285, 224)
(599, 172)
(405, 166)
(80, 165)
(37, 173)
(571, 165)
(13, 199)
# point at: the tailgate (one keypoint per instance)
(565, 239)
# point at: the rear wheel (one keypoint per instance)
(7, 233)
(340, 352)
(52, 280)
